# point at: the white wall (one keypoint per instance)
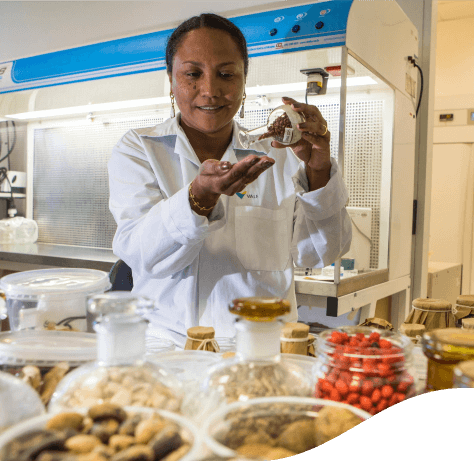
(455, 58)
(450, 177)
(451, 234)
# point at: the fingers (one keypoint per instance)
(319, 142)
(314, 128)
(245, 172)
(311, 113)
(226, 178)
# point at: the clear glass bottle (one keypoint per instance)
(257, 369)
(121, 375)
(280, 126)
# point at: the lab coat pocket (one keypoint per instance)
(261, 238)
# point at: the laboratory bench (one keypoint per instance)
(25, 257)
(360, 292)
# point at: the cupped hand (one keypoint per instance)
(217, 177)
(314, 146)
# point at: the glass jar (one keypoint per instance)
(276, 427)
(368, 368)
(155, 345)
(121, 375)
(463, 309)
(464, 375)
(171, 437)
(445, 348)
(19, 401)
(468, 323)
(42, 357)
(413, 331)
(281, 126)
(257, 369)
(226, 344)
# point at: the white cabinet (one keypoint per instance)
(444, 281)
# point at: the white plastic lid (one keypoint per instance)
(45, 348)
(53, 282)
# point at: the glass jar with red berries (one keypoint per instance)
(368, 368)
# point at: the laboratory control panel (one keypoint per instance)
(316, 25)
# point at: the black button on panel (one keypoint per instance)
(319, 25)
(273, 32)
(296, 28)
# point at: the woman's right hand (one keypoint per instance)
(217, 177)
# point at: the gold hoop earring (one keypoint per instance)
(172, 113)
(242, 112)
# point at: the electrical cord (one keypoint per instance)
(360, 231)
(10, 148)
(421, 87)
(4, 170)
(3, 177)
(413, 61)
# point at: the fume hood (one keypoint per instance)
(77, 103)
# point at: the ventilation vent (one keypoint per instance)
(71, 181)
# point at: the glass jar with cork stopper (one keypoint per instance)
(257, 369)
(281, 126)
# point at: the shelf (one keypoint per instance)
(310, 285)
(7, 195)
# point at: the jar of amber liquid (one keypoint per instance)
(464, 375)
(445, 348)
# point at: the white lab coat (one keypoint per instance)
(193, 266)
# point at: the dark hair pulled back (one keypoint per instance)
(212, 21)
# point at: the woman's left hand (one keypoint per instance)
(313, 148)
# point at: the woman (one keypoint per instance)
(192, 243)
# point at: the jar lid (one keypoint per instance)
(201, 332)
(55, 281)
(467, 300)
(46, 348)
(412, 330)
(465, 368)
(431, 304)
(468, 323)
(260, 309)
(450, 340)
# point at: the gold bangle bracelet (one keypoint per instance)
(193, 200)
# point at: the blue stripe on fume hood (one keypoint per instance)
(279, 31)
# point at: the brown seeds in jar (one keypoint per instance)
(278, 128)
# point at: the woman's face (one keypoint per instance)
(208, 80)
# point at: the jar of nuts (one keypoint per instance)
(257, 369)
(121, 375)
(281, 126)
(367, 368)
(103, 432)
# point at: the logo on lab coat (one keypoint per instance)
(250, 196)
